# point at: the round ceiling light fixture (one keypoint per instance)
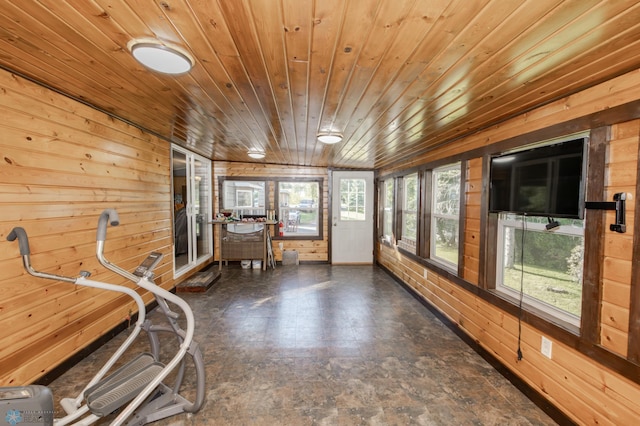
(330, 138)
(161, 57)
(256, 154)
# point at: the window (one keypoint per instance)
(352, 199)
(409, 231)
(445, 210)
(388, 210)
(244, 197)
(546, 265)
(300, 208)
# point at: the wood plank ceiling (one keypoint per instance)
(396, 77)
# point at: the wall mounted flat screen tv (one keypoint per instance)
(542, 181)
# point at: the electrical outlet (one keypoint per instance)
(424, 273)
(546, 347)
(281, 245)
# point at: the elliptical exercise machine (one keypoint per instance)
(135, 391)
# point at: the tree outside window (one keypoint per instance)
(445, 213)
(545, 265)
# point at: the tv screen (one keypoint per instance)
(543, 181)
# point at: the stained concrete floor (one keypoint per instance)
(329, 345)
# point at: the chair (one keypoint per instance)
(293, 220)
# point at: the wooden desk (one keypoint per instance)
(250, 244)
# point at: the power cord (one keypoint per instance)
(524, 230)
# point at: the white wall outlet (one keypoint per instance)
(546, 347)
(281, 245)
(424, 273)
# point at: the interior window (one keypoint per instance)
(299, 208)
(543, 258)
(445, 211)
(244, 197)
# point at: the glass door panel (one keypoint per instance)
(202, 209)
(193, 242)
(181, 226)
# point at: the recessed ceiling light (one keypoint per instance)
(329, 138)
(160, 57)
(257, 154)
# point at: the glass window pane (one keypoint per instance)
(547, 265)
(298, 208)
(244, 197)
(388, 210)
(446, 240)
(447, 191)
(352, 199)
(409, 213)
(445, 215)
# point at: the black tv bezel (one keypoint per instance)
(538, 152)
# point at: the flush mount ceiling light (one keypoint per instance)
(329, 138)
(160, 57)
(257, 154)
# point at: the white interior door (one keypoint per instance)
(352, 218)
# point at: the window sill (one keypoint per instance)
(540, 313)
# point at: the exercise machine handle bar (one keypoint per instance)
(23, 242)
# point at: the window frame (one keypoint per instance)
(385, 238)
(359, 196)
(433, 216)
(491, 273)
(408, 243)
(319, 207)
(568, 320)
(221, 192)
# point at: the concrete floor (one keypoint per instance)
(330, 345)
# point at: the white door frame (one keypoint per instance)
(193, 216)
(352, 234)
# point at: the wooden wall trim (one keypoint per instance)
(462, 215)
(594, 237)
(484, 223)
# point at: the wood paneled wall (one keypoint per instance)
(308, 250)
(62, 163)
(620, 176)
(471, 250)
(584, 389)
